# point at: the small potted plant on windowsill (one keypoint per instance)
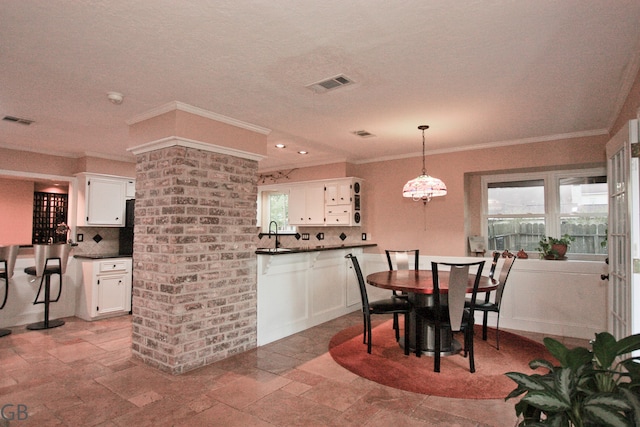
(553, 248)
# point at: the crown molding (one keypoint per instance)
(181, 106)
(175, 141)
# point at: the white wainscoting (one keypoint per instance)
(565, 298)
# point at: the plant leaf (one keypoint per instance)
(547, 401)
(611, 400)
(557, 349)
(604, 349)
(578, 357)
(628, 344)
(606, 416)
(528, 382)
(564, 385)
(541, 363)
(634, 401)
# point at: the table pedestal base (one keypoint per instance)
(448, 346)
(4, 332)
(453, 347)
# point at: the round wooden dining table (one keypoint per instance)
(418, 284)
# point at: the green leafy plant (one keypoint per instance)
(554, 248)
(597, 387)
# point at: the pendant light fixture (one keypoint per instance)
(424, 187)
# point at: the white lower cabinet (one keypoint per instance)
(106, 288)
(301, 290)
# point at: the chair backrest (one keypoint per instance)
(402, 258)
(363, 289)
(502, 278)
(494, 264)
(45, 254)
(458, 285)
(8, 255)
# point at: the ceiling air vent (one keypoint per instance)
(363, 133)
(25, 122)
(330, 84)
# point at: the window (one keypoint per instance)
(519, 209)
(49, 212)
(275, 207)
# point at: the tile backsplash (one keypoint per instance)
(106, 245)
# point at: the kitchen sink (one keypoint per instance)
(276, 250)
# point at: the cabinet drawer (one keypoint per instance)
(342, 218)
(108, 266)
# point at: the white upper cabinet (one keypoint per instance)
(306, 204)
(101, 200)
(331, 202)
(338, 193)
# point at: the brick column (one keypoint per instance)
(194, 281)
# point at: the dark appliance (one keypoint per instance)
(126, 232)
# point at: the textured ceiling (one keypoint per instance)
(478, 72)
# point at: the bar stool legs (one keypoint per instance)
(4, 275)
(47, 323)
(8, 255)
(47, 256)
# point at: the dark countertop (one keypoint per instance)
(303, 249)
(101, 256)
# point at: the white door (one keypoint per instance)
(623, 240)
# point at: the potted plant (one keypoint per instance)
(594, 387)
(553, 248)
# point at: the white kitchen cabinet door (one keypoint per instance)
(112, 294)
(106, 201)
(101, 201)
(338, 193)
(306, 204)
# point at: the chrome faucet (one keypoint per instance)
(277, 244)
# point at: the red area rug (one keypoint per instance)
(388, 365)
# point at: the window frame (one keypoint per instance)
(264, 207)
(552, 209)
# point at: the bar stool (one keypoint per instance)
(46, 257)
(8, 255)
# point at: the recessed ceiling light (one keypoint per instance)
(303, 152)
(281, 146)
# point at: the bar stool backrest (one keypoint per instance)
(43, 253)
(9, 254)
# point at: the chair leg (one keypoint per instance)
(396, 327)
(406, 334)
(436, 349)
(369, 334)
(364, 325)
(418, 335)
(485, 318)
(472, 364)
(498, 332)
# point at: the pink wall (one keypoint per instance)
(178, 123)
(443, 226)
(17, 198)
(28, 162)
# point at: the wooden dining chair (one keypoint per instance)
(487, 306)
(399, 260)
(386, 306)
(450, 315)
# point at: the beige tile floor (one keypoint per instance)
(83, 374)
